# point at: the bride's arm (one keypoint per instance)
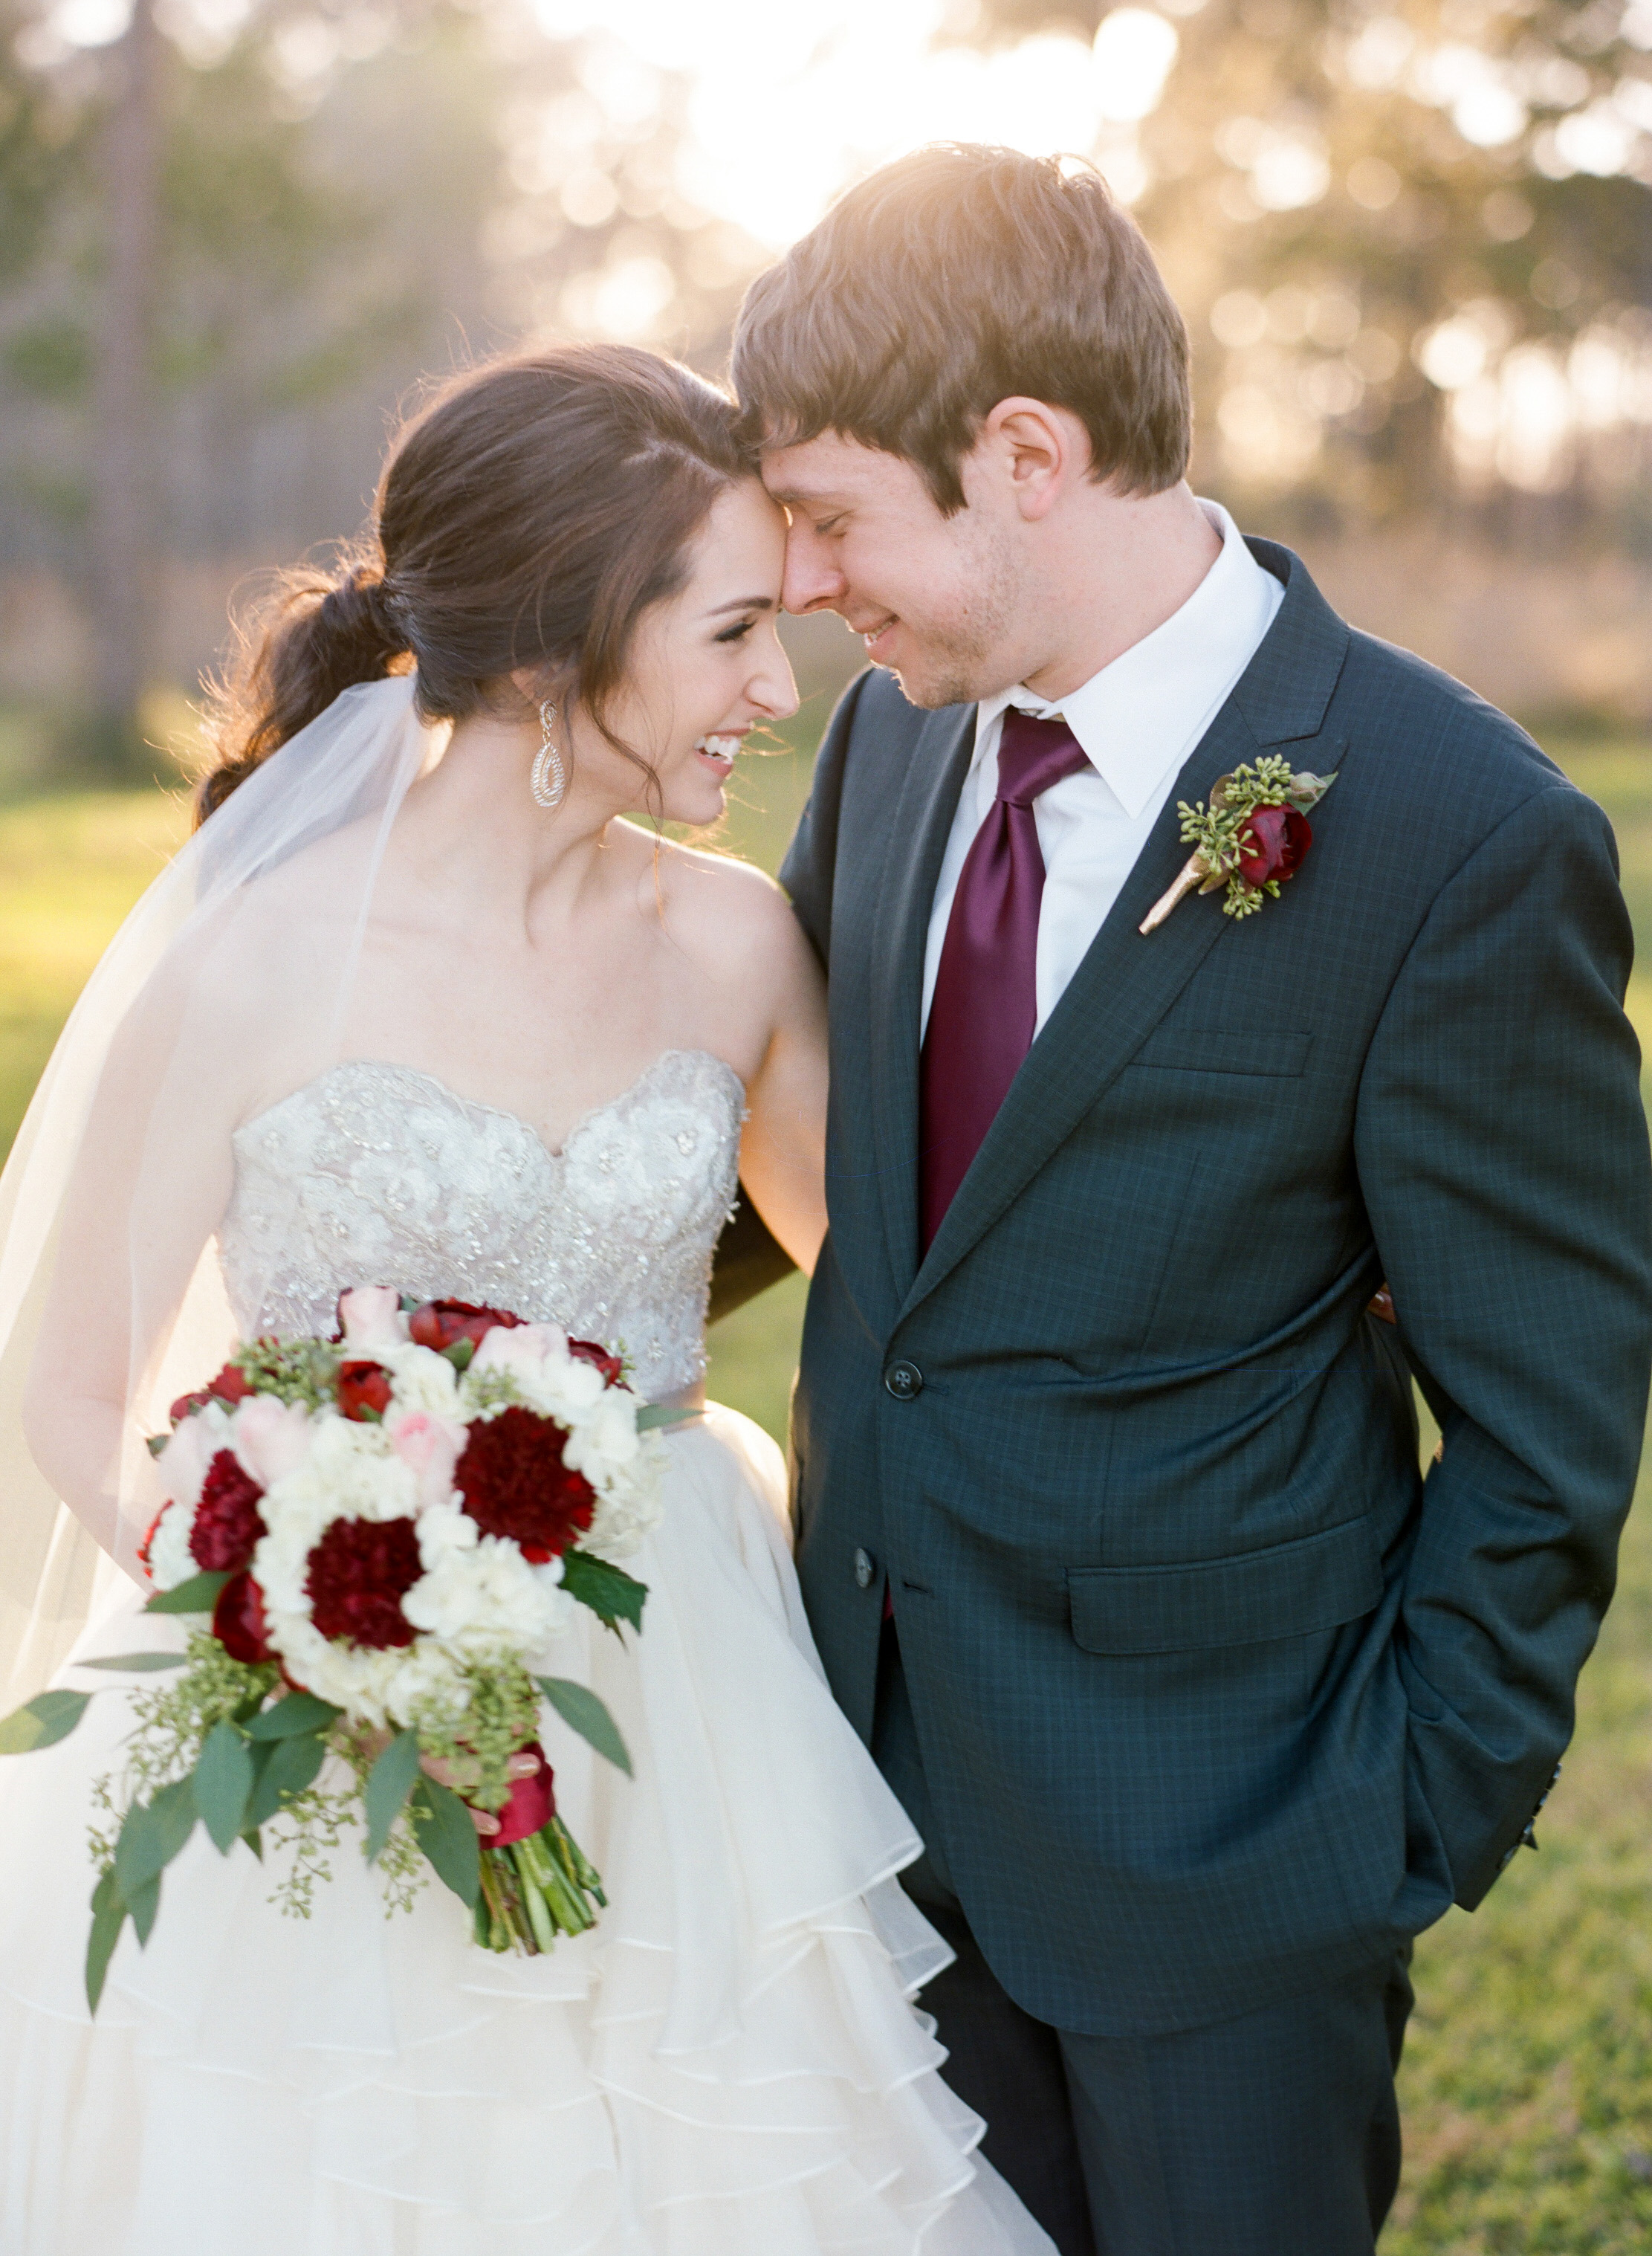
(783, 1154)
(145, 1195)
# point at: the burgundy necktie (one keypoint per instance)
(985, 1004)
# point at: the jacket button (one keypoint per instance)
(904, 1381)
(864, 1569)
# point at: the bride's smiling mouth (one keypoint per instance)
(718, 750)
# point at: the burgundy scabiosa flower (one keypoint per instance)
(228, 1522)
(514, 1484)
(358, 1575)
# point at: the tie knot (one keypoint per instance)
(1033, 754)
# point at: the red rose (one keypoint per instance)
(230, 1386)
(588, 1351)
(533, 1803)
(238, 1622)
(359, 1573)
(514, 1482)
(364, 1390)
(228, 1521)
(439, 1323)
(1279, 837)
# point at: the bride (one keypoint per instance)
(418, 1005)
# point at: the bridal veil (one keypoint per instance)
(234, 970)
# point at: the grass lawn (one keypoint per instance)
(1528, 2080)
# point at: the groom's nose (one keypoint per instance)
(812, 581)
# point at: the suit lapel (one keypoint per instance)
(920, 826)
(1127, 982)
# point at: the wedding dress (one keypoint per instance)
(730, 2064)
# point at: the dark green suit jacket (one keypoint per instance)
(1215, 1695)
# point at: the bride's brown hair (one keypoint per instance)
(526, 517)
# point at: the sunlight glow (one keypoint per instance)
(786, 107)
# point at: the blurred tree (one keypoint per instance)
(40, 151)
(123, 419)
(1414, 241)
(339, 198)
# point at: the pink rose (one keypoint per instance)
(271, 1438)
(431, 1446)
(370, 1319)
(523, 1347)
(195, 1442)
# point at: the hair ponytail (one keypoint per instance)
(313, 637)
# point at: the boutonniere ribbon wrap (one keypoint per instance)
(1251, 837)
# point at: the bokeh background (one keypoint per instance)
(1414, 241)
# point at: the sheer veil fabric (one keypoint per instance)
(227, 987)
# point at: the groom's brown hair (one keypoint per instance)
(954, 278)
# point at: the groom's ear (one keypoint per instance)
(1034, 452)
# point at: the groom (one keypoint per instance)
(1111, 1527)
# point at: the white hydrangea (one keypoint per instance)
(485, 1600)
(628, 1508)
(421, 1379)
(381, 1685)
(171, 1560)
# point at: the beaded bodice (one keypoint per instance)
(379, 1175)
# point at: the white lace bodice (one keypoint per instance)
(379, 1175)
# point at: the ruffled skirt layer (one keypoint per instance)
(729, 2065)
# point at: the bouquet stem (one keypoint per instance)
(536, 1889)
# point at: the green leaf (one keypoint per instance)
(224, 1785)
(388, 1783)
(299, 1711)
(156, 1442)
(253, 1840)
(659, 1414)
(444, 1832)
(42, 1721)
(141, 1664)
(151, 1837)
(108, 1917)
(459, 1353)
(144, 1906)
(583, 1712)
(612, 1595)
(198, 1595)
(290, 1765)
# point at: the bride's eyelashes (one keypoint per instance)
(737, 633)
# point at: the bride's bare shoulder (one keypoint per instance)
(722, 900)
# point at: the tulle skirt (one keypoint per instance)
(729, 2065)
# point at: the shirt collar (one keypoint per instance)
(1140, 716)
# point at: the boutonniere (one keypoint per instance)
(1250, 838)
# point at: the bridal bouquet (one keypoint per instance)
(383, 1532)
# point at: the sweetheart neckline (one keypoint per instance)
(494, 1111)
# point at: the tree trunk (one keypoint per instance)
(123, 561)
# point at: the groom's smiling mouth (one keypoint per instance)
(873, 635)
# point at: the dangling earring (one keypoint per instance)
(549, 780)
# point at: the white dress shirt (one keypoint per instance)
(1136, 722)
